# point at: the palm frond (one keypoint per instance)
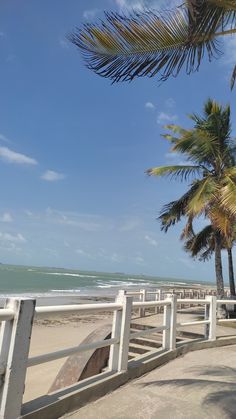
(228, 195)
(209, 14)
(187, 231)
(145, 44)
(201, 241)
(172, 212)
(206, 191)
(181, 172)
(233, 78)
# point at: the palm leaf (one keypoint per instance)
(205, 193)
(145, 44)
(200, 241)
(172, 212)
(233, 78)
(182, 172)
(228, 195)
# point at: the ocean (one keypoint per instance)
(40, 282)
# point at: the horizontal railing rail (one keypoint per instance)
(17, 318)
(89, 308)
(6, 314)
(147, 331)
(52, 356)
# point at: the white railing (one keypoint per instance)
(17, 319)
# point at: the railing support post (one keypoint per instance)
(158, 297)
(119, 352)
(15, 341)
(170, 315)
(143, 297)
(210, 314)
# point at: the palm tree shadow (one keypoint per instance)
(221, 393)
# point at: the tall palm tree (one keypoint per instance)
(209, 146)
(201, 245)
(150, 43)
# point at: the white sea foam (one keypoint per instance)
(68, 274)
(65, 291)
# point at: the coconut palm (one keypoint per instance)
(150, 43)
(202, 245)
(209, 147)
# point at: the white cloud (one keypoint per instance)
(170, 102)
(176, 158)
(82, 252)
(52, 176)
(130, 224)
(11, 156)
(116, 258)
(149, 105)
(163, 117)
(230, 50)
(64, 44)
(130, 4)
(29, 213)
(84, 222)
(150, 240)
(90, 14)
(6, 218)
(143, 4)
(4, 138)
(138, 260)
(18, 238)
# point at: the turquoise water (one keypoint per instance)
(36, 281)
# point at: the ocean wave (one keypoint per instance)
(68, 274)
(119, 284)
(65, 291)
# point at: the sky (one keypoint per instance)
(74, 148)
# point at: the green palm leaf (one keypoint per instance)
(173, 211)
(182, 172)
(144, 44)
(200, 241)
(206, 192)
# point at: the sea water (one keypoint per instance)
(56, 282)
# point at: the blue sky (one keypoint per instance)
(74, 148)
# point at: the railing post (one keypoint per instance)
(158, 297)
(119, 352)
(143, 297)
(173, 322)
(14, 348)
(170, 315)
(210, 314)
(166, 323)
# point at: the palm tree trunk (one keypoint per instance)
(231, 272)
(218, 266)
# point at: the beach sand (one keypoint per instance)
(55, 333)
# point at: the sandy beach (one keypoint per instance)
(53, 333)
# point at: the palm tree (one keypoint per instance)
(149, 43)
(209, 146)
(201, 245)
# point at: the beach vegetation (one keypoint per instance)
(149, 43)
(211, 194)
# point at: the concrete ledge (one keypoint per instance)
(54, 405)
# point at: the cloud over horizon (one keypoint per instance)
(52, 176)
(11, 156)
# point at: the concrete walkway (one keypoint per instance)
(201, 384)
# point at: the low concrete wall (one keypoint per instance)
(56, 404)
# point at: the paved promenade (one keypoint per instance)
(201, 384)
